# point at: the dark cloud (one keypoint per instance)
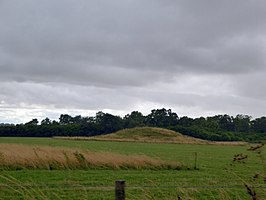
(119, 55)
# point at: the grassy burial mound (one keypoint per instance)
(145, 134)
(153, 135)
(14, 157)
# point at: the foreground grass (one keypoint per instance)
(214, 162)
(99, 184)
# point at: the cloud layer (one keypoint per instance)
(196, 57)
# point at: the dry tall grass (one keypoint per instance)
(14, 156)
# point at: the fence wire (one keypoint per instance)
(74, 186)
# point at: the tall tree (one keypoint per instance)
(162, 118)
(46, 121)
(226, 122)
(107, 123)
(242, 123)
(185, 121)
(65, 119)
(33, 122)
(135, 119)
(259, 125)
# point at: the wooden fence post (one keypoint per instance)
(120, 190)
(196, 159)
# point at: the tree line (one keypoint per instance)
(215, 128)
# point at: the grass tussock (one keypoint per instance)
(14, 157)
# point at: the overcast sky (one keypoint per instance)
(197, 58)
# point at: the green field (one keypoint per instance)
(216, 178)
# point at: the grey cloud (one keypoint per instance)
(251, 86)
(62, 95)
(96, 54)
(138, 35)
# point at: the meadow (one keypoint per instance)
(216, 175)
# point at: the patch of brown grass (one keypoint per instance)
(231, 143)
(13, 156)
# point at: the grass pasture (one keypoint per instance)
(217, 177)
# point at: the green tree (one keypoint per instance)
(185, 121)
(77, 119)
(212, 123)
(162, 118)
(46, 121)
(135, 119)
(107, 123)
(242, 123)
(200, 122)
(33, 122)
(259, 125)
(65, 119)
(226, 122)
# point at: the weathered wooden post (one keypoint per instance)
(196, 159)
(120, 190)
